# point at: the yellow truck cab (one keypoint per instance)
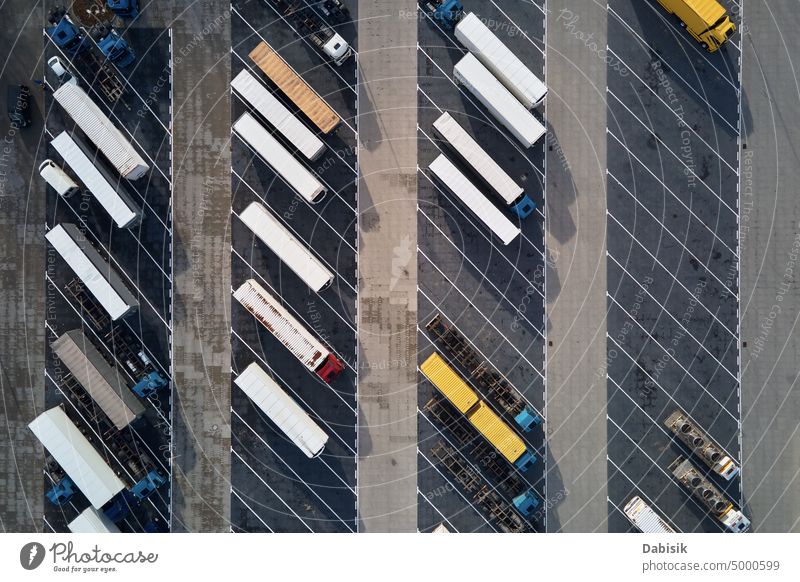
(706, 20)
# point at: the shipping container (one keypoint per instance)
(101, 132)
(282, 410)
(103, 383)
(287, 330)
(457, 183)
(295, 88)
(499, 59)
(706, 20)
(290, 251)
(483, 165)
(109, 192)
(92, 521)
(279, 159)
(267, 105)
(497, 432)
(93, 270)
(645, 518)
(441, 375)
(76, 456)
(478, 80)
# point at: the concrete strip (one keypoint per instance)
(387, 298)
(202, 269)
(576, 274)
(770, 251)
(22, 284)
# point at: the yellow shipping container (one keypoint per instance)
(448, 382)
(497, 432)
(295, 88)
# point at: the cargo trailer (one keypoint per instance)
(101, 131)
(645, 518)
(268, 106)
(92, 521)
(279, 159)
(702, 445)
(290, 251)
(457, 183)
(478, 80)
(93, 270)
(287, 330)
(281, 409)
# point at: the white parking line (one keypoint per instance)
(300, 519)
(258, 517)
(518, 27)
(444, 519)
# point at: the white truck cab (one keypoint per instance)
(58, 179)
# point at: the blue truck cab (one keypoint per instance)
(523, 206)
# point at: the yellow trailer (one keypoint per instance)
(497, 432)
(706, 20)
(295, 88)
(449, 383)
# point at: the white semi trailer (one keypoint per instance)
(478, 80)
(282, 410)
(645, 518)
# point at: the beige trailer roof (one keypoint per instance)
(295, 88)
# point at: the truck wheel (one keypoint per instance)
(704, 45)
(682, 23)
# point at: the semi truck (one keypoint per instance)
(270, 108)
(498, 58)
(445, 12)
(101, 132)
(281, 409)
(706, 20)
(290, 251)
(291, 333)
(478, 80)
(76, 456)
(457, 183)
(107, 191)
(100, 380)
(279, 159)
(709, 496)
(295, 88)
(93, 270)
(477, 412)
(311, 27)
(645, 518)
(701, 444)
(483, 165)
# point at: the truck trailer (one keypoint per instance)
(498, 58)
(101, 132)
(279, 159)
(701, 444)
(287, 330)
(459, 184)
(109, 193)
(267, 105)
(483, 165)
(478, 413)
(76, 455)
(478, 80)
(93, 270)
(92, 521)
(295, 88)
(706, 20)
(101, 381)
(290, 251)
(281, 409)
(709, 496)
(645, 518)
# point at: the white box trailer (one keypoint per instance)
(76, 455)
(111, 195)
(93, 270)
(476, 78)
(279, 159)
(473, 199)
(101, 132)
(483, 165)
(645, 518)
(499, 59)
(282, 410)
(263, 101)
(290, 251)
(92, 521)
(102, 382)
(287, 330)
